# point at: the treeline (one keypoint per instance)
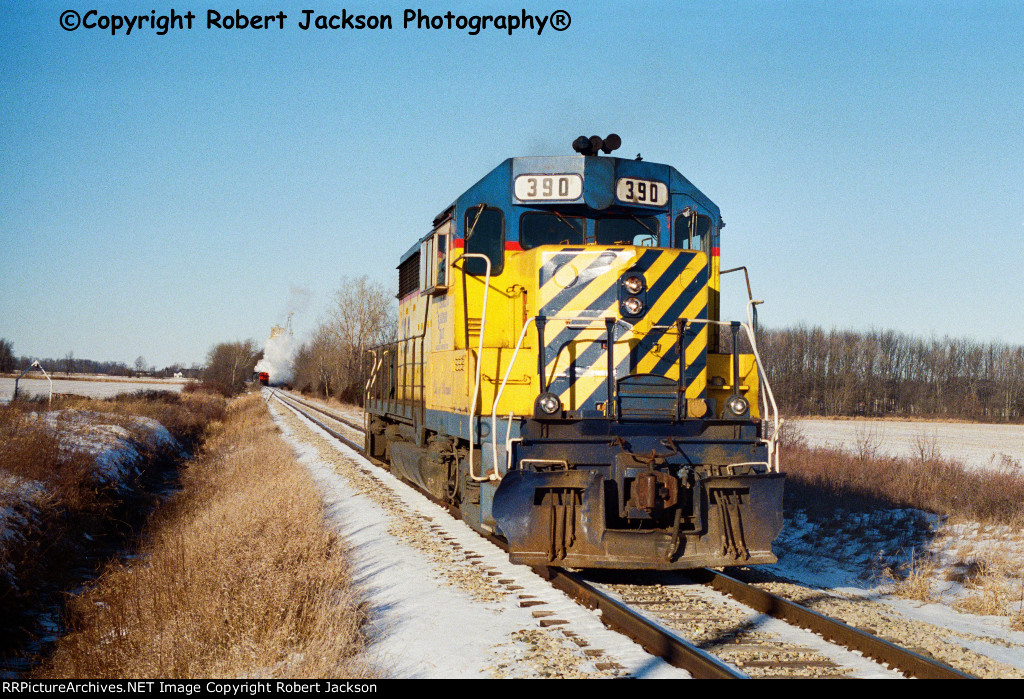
(883, 372)
(333, 362)
(70, 364)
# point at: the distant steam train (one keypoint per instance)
(559, 376)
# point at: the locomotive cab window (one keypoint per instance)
(485, 235)
(537, 228)
(635, 230)
(692, 231)
(434, 260)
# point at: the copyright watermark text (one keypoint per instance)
(312, 20)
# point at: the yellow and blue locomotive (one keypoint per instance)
(562, 375)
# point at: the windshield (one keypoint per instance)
(636, 230)
(550, 229)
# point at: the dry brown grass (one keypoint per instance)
(825, 483)
(239, 577)
(1017, 619)
(993, 583)
(185, 415)
(66, 511)
(914, 580)
(937, 485)
(32, 451)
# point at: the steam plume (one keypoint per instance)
(278, 353)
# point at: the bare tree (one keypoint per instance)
(229, 366)
(815, 372)
(331, 362)
(7, 360)
(363, 316)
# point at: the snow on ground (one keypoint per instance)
(107, 387)
(113, 447)
(850, 557)
(426, 627)
(976, 445)
(20, 500)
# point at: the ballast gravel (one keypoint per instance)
(496, 619)
(940, 643)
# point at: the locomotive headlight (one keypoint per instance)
(633, 306)
(737, 405)
(633, 284)
(549, 403)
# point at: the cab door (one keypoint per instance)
(439, 340)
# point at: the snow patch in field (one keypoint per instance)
(18, 513)
(853, 558)
(114, 448)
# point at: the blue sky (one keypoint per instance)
(160, 194)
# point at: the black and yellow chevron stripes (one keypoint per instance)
(584, 283)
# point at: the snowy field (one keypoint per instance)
(105, 387)
(975, 445)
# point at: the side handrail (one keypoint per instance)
(401, 344)
(773, 441)
(752, 305)
(479, 358)
(375, 363)
(768, 395)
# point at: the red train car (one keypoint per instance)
(264, 378)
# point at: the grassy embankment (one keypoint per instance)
(867, 479)
(236, 575)
(75, 483)
(240, 577)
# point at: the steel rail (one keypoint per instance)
(334, 416)
(654, 638)
(667, 645)
(334, 433)
(896, 657)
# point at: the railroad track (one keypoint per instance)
(646, 612)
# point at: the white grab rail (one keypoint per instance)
(479, 360)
